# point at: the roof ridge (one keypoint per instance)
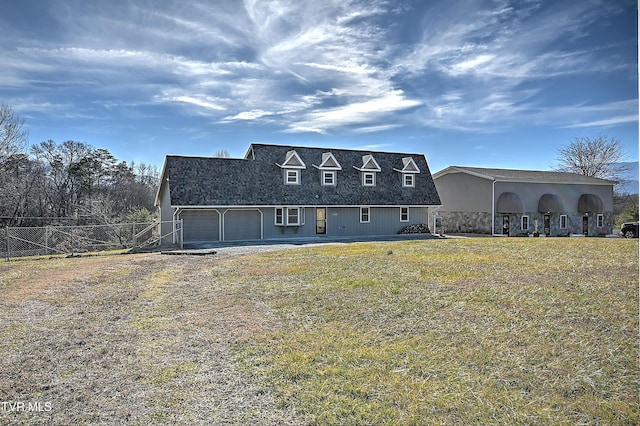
(326, 148)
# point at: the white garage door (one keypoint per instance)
(200, 225)
(242, 225)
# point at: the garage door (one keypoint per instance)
(242, 225)
(200, 225)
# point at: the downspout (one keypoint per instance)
(493, 208)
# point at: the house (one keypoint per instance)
(278, 192)
(521, 202)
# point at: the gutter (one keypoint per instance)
(493, 208)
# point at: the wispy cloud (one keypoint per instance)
(325, 67)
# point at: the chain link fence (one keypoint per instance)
(49, 240)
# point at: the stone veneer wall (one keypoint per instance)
(464, 222)
(480, 223)
(574, 224)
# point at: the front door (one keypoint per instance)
(505, 224)
(321, 220)
(585, 225)
(547, 224)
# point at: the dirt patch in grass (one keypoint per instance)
(486, 331)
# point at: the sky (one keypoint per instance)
(465, 82)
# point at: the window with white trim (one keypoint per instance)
(600, 221)
(279, 216)
(404, 214)
(292, 177)
(524, 224)
(368, 179)
(408, 180)
(365, 215)
(328, 178)
(563, 221)
(329, 168)
(289, 216)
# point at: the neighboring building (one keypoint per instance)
(277, 192)
(519, 202)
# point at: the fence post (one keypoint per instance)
(46, 240)
(6, 241)
(181, 235)
(73, 242)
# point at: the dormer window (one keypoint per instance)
(292, 177)
(328, 169)
(291, 168)
(368, 179)
(408, 180)
(328, 178)
(408, 172)
(368, 170)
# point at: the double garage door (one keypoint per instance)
(205, 225)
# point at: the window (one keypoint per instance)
(408, 172)
(563, 221)
(293, 216)
(364, 215)
(289, 216)
(279, 216)
(292, 177)
(328, 169)
(328, 178)
(525, 223)
(368, 179)
(600, 221)
(404, 214)
(408, 180)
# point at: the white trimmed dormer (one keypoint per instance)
(368, 170)
(408, 172)
(291, 168)
(328, 169)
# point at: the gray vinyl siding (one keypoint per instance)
(345, 222)
(202, 225)
(569, 194)
(461, 192)
(166, 214)
(271, 231)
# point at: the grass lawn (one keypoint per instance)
(467, 331)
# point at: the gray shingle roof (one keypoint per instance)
(529, 175)
(258, 181)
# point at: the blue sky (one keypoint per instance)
(471, 82)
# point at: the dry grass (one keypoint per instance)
(480, 331)
(141, 339)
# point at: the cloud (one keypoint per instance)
(204, 102)
(247, 115)
(378, 128)
(625, 119)
(324, 67)
(355, 113)
(602, 115)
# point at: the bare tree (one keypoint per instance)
(221, 153)
(599, 157)
(13, 138)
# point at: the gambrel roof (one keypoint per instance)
(257, 179)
